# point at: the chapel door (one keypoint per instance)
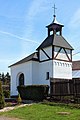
(21, 79)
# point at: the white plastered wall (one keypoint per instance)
(45, 67)
(26, 69)
(62, 55)
(62, 69)
(43, 56)
(35, 72)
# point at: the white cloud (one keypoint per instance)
(75, 20)
(74, 33)
(26, 47)
(18, 37)
(36, 7)
(32, 13)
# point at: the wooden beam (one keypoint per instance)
(67, 55)
(58, 52)
(46, 54)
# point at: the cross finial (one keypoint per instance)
(54, 10)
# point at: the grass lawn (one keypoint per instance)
(44, 112)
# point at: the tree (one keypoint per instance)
(2, 102)
(7, 78)
(0, 76)
(3, 78)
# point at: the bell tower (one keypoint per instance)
(55, 53)
(55, 26)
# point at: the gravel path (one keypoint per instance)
(5, 109)
(6, 118)
(8, 109)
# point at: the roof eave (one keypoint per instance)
(34, 59)
(54, 24)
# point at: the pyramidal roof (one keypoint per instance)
(55, 40)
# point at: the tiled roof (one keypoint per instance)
(56, 40)
(76, 65)
(26, 59)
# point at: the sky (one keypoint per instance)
(23, 27)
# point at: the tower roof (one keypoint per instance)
(55, 26)
(55, 22)
(55, 40)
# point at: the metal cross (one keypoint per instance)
(54, 9)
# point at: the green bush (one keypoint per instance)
(19, 100)
(33, 92)
(6, 93)
(2, 102)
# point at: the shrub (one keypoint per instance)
(2, 103)
(33, 92)
(6, 93)
(19, 100)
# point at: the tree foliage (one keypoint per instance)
(5, 78)
(2, 102)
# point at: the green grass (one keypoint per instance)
(44, 112)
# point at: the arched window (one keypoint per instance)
(21, 79)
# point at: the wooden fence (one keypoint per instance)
(65, 88)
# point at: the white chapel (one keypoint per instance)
(51, 62)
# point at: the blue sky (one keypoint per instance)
(22, 26)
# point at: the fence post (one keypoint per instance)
(74, 88)
(68, 85)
